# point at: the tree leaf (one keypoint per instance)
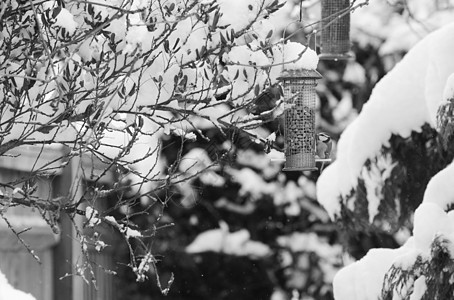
(171, 7)
(56, 11)
(237, 74)
(133, 90)
(176, 43)
(245, 73)
(140, 121)
(270, 34)
(223, 40)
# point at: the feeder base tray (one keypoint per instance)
(299, 169)
(323, 160)
(300, 162)
(337, 56)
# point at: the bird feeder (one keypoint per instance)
(335, 39)
(299, 118)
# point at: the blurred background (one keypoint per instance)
(247, 230)
(244, 229)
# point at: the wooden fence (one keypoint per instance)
(57, 252)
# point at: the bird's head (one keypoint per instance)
(323, 137)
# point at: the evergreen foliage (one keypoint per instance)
(436, 273)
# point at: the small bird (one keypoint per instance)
(324, 146)
(267, 100)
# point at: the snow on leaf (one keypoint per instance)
(251, 183)
(232, 243)
(132, 233)
(448, 91)
(271, 137)
(99, 245)
(237, 13)
(276, 155)
(211, 178)
(402, 102)
(187, 135)
(364, 279)
(354, 73)
(92, 215)
(440, 189)
(18, 191)
(194, 161)
(210, 240)
(66, 20)
(419, 288)
(374, 180)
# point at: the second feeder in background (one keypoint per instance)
(335, 39)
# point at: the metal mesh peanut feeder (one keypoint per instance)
(299, 118)
(335, 39)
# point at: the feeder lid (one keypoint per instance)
(299, 73)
